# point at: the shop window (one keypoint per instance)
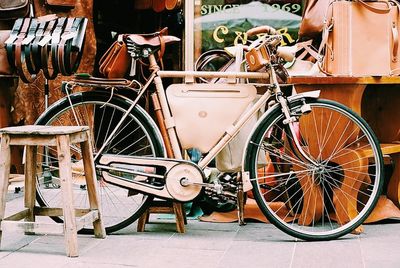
(221, 23)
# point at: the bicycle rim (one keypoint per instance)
(138, 137)
(319, 201)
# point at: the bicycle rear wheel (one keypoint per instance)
(320, 201)
(138, 136)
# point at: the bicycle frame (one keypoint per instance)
(156, 77)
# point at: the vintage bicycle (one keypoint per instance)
(315, 167)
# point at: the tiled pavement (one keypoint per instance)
(204, 245)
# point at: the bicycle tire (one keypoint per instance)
(323, 201)
(120, 207)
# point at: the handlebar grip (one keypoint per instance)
(261, 29)
(286, 53)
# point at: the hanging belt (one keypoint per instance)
(49, 44)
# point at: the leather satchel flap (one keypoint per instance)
(12, 4)
(203, 112)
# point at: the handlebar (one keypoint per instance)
(262, 29)
(286, 53)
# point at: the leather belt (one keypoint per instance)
(47, 43)
(64, 47)
(51, 39)
(10, 41)
(18, 43)
(35, 48)
(71, 53)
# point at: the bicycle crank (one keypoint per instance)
(166, 178)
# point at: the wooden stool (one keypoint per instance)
(60, 137)
(164, 207)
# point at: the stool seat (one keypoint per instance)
(43, 130)
(75, 219)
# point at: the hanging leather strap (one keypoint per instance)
(51, 46)
(27, 44)
(69, 56)
(10, 41)
(63, 50)
(18, 55)
(45, 49)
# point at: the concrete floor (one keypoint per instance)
(203, 245)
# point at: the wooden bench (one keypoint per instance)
(74, 219)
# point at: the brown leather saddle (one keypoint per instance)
(152, 41)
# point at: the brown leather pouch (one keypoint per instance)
(312, 22)
(257, 58)
(116, 61)
(158, 5)
(142, 4)
(5, 67)
(173, 4)
(61, 3)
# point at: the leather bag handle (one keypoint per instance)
(375, 9)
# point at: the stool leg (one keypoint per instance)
(179, 217)
(144, 218)
(4, 174)
(70, 229)
(91, 184)
(30, 181)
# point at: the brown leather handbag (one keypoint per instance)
(314, 13)
(5, 67)
(356, 40)
(142, 4)
(12, 9)
(173, 4)
(158, 5)
(61, 3)
(116, 61)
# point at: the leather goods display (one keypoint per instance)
(173, 4)
(356, 39)
(53, 45)
(61, 3)
(12, 9)
(312, 22)
(116, 61)
(5, 67)
(202, 112)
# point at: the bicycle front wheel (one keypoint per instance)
(100, 111)
(329, 196)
